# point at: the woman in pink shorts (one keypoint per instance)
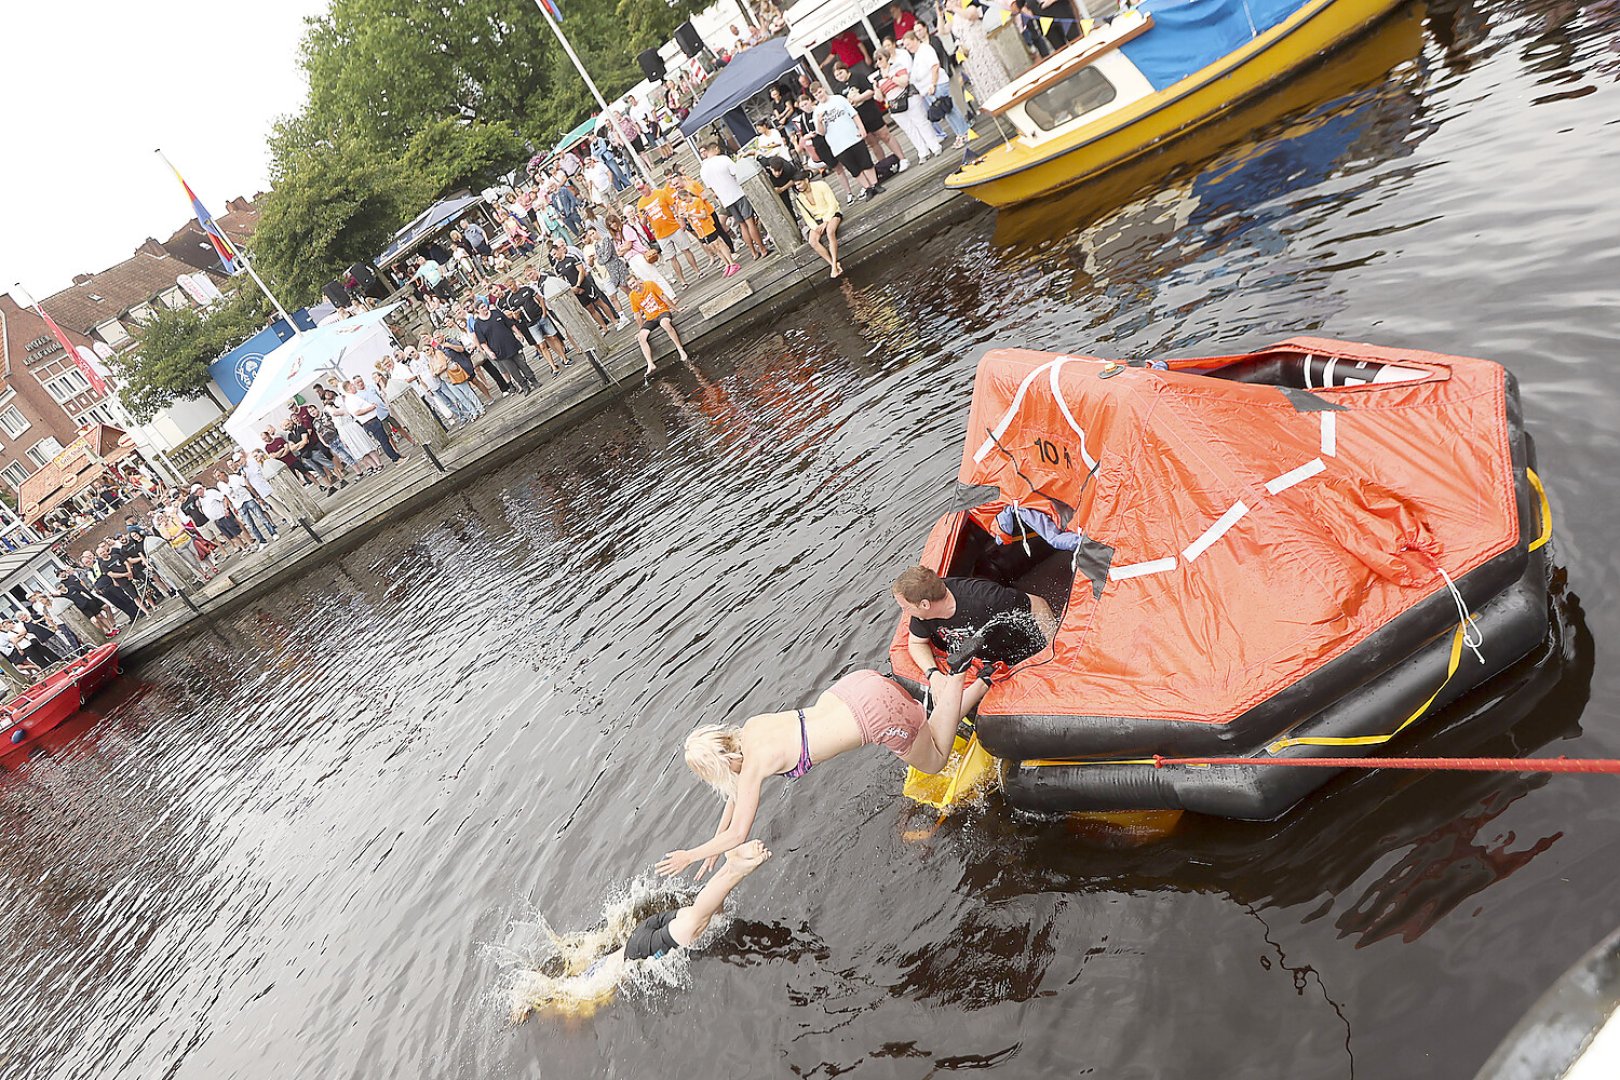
(863, 708)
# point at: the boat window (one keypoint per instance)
(1080, 93)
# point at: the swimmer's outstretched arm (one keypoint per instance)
(725, 823)
(690, 922)
(735, 832)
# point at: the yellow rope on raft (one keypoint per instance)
(1373, 740)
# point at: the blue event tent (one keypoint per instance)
(749, 72)
(425, 223)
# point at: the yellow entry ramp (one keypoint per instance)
(963, 780)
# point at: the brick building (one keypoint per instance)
(44, 396)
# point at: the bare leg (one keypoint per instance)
(953, 699)
(646, 347)
(669, 328)
(815, 242)
(690, 922)
(832, 247)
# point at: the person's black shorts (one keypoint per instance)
(229, 527)
(651, 937)
(650, 325)
(855, 159)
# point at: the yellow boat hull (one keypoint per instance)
(1018, 172)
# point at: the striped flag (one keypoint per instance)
(229, 257)
(90, 373)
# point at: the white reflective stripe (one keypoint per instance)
(1327, 374)
(1306, 364)
(1232, 516)
(1330, 434)
(1294, 476)
(1157, 566)
(1012, 410)
(1063, 407)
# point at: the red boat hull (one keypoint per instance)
(46, 704)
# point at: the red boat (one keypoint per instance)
(55, 698)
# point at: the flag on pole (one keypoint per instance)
(552, 9)
(90, 373)
(229, 257)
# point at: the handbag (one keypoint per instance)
(901, 103)
(939, 108)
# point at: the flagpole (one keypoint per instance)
(247, 264)
(562, 38)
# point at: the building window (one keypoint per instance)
(13, 421)
(97, 414)
(67, 385)
(113, 333)
(42, 452)
(15, 474)
(141, 313)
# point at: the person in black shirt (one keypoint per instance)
(856, 86)
(94, 607)
(493, 329)
(571, 270)
(527, 305)
(997, 623)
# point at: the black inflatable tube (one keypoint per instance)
(1024, 737)
(1514, 624)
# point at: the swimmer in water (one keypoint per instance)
(861, 709)
(570, 981)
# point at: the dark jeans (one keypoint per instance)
(379, 431)
(496, 374)
(518, 370)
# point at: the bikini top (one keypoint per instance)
(805, 764)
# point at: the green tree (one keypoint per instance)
(173, 349)
(382, 70)
(447, 155)
(330, 204)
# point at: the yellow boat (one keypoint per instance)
(1154, 73)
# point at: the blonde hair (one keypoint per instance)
(708, 753)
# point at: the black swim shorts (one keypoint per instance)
(651, 937)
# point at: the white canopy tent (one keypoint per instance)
(341, 349)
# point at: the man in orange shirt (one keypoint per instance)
(665, 222)
(653, 307)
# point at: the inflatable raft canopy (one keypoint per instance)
(1297, 551)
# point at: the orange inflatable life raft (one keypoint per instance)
(1299, 551)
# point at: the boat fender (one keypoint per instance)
(18, 735)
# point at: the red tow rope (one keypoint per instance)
(1460, 764)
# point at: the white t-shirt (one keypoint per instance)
(720, 176)
(237, 488)
(213, 503)
(837, 115)
(923, 61)
(422, 368)
(255, 476)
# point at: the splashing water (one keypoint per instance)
(572, 975)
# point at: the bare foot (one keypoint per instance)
(746, 858)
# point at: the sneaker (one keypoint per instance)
(732, 269)
(904, 165)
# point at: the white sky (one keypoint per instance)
(93, 87)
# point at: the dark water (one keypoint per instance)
(282, 850)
